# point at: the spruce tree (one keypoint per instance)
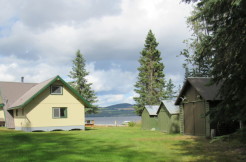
(170, 89)
(80, 83)
(151, 83)
(224, 45)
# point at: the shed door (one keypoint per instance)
(199, 113)
(189, 126)
(194, 121)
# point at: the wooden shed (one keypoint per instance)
(149, 117)
(196, 98)
(168, 117)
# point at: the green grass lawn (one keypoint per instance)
(113, 144)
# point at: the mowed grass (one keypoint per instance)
(113, 144)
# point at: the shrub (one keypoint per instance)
(131, 124)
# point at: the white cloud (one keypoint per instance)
(176, 78)
(4, 75)
(41, 39)
(114, 79)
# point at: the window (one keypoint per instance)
(59, 112)
(56, 89)
(19, 112)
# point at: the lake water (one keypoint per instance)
(112, 120)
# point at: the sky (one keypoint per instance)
(39, 39)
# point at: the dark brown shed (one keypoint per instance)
(196, 98)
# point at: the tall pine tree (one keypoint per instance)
(151, 83)
(225, 43)
(170, 89)
(80, 83)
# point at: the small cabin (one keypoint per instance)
(168, 117)
(196, 98)
(149, 117)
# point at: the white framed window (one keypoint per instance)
(56, 89)
(59, 112)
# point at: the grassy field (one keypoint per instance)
(113, 144)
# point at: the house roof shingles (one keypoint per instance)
(31, 92)
(11, 91)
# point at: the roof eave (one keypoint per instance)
(16, 107)
(178, 100)
(87, 104)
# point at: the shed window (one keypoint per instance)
(55, 89)
(60, 112)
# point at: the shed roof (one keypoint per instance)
(18, 95)
(171, 108)
(152, 109)
(203, 86)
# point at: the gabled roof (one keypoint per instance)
(152, 109)
(20, 94)
(203, 86)
(171, 108)
(12, 91)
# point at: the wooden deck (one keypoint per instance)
(89, 123)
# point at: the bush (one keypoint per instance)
(131, 124)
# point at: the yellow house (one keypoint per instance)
(46, 106)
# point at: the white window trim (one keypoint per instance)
(53, 93)
(59, 108)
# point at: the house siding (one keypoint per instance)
(38, 113)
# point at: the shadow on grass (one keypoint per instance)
(62, 146)
(201, 149)
(89, 128)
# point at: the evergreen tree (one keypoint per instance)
(196, 66)
(151, 83)
(170, 90)
(80, 83)
(225, 43)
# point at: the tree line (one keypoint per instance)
(217, 49)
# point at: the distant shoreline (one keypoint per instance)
(113, 120)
